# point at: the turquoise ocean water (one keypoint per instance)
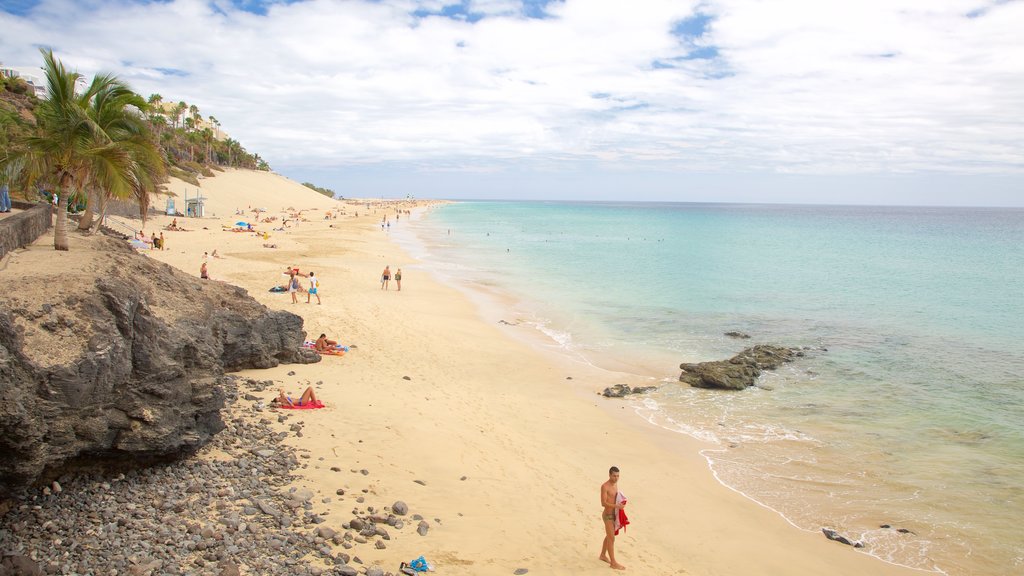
(910, 410)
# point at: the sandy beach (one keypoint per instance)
(501, 446)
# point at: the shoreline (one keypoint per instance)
(449, 413)
(496, 303)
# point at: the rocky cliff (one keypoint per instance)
(109, 355)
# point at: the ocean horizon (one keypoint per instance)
(905, 412)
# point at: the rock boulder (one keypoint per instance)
(117, 357)
(740, 371)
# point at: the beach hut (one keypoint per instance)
(194, 207)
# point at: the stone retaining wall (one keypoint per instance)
(24, 228)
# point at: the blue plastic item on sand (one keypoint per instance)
(419, 564)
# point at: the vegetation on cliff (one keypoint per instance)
(104, 142)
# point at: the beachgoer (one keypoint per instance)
(313, 289)
(174, 224)
(385, 278)
(398, 279)
(293, 287)
(202, 271)
(609, 492)
(154, 241)
(5, 199)
(307, 397)
(322, 343)
(162, 245)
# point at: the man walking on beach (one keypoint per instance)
(609, 495)
(314, 289)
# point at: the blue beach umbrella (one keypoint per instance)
(241, 223)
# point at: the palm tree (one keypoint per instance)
(207, 134)
(70, 148)
(118, 114)
(178, 111)
(193, 112)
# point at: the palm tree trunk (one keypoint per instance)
(102, 215)
(85, 222)
(60, 226)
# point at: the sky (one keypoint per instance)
(814, 101)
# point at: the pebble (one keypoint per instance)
(186, 517)
(520, 571)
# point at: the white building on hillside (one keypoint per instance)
(34, 77)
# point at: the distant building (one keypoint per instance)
(35, 77)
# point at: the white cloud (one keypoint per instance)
(800, 86)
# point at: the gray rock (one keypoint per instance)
(18, 565)
(301, 495)
(325, 532)
(740, 371)
(422, 528)
(267, 508)
(374, 571)
(616, 391)
(622, 390)
(400, 508)
(835, 536)
(520, 571)
(738, 335)
(228, 568)
(141, 386)
(346, 570)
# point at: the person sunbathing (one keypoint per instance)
(308, 397)
(322, 343)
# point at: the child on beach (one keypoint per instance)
(202, 271)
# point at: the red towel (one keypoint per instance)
(623, 521)
(309, 406)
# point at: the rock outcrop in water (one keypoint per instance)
(120, 358)
(740, 371)
(623, 390)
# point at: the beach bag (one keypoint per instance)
(419, 564)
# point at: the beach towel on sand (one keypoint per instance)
(309, 406)
(338, 350)
(620, 521)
